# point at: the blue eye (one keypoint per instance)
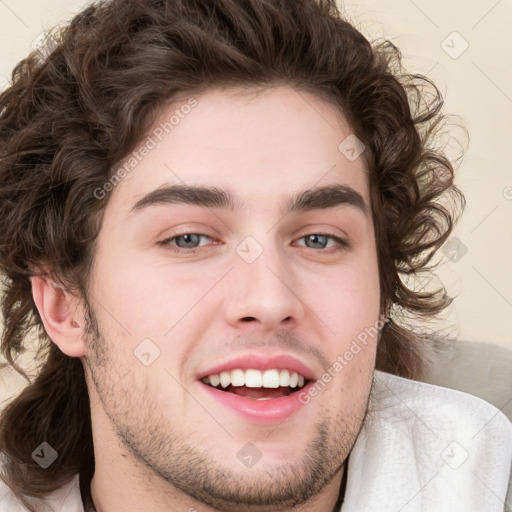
(190, 242)
(185, 241)
(316, 241)
(321, 241)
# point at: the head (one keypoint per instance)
(215, 186)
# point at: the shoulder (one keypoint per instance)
(448, 408)
(432, 447)
(65, 499)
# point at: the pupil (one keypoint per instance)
(317, 239)
(189, 239)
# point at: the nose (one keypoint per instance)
(263, 292)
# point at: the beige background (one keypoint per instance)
(477, 86)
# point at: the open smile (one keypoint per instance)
(260, 390)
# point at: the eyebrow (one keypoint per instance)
(319, 198)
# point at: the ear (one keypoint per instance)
(59, 312)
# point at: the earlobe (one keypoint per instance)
(58, 309)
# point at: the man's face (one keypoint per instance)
(183, 292)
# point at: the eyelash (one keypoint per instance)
(342, 244)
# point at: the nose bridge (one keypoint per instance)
(262, 285)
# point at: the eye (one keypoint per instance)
(189, 242)
(184, 241)
(321, 241)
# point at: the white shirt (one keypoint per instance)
(422, 448)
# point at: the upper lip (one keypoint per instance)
(261, 362)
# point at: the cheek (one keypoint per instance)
(348, 306)
(346, 300)
(144, 299)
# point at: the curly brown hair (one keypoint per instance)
(74, 110)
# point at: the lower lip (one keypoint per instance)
(264, 412)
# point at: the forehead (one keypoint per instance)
(264, 145)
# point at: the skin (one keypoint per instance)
(159, 439)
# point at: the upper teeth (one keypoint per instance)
(256, 379)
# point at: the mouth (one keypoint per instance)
(263, 389)
(256, 384)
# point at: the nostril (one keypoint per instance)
(248, 319)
